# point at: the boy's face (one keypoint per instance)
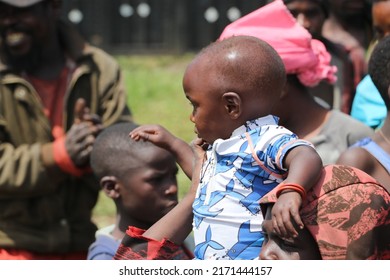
(209, 114)
(150, 191)
(275, 247)
(309, 14)
(381, 19)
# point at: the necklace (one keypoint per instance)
(383, 136)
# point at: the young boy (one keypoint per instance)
(140, 178)
(233, 85)
(372, 155)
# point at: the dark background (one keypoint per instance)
(163, 26)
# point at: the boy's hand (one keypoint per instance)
(285, 214)
(155, 134)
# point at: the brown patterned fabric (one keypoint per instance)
(134, 246)
(347, 213)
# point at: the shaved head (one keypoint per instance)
(246, 65)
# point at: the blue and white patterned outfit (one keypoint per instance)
(227, 217)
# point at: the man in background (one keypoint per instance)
(56, 94)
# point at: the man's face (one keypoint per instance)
(381, 19)
(309, 14)
(24, 32)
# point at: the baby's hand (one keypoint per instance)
(156, 134)
(287, 207)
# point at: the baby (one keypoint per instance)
(233, 85)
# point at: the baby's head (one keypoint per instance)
(230, 82)
(139, 176)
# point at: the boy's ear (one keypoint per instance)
(110, 186)
(232, 103)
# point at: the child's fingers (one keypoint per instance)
(290, 230)
(276, 226)
(297, 218)
(285, 225)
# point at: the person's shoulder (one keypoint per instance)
(103, 248)
(103, 59)
(357, 157)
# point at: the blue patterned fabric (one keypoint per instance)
(227, 218)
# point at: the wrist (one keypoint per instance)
(63, 160)
(290, 187)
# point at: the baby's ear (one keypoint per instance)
(110, 186)
(232, 103)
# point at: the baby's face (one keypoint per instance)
(209, 113)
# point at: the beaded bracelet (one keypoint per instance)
(290, 186)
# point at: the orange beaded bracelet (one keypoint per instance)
(290, 186)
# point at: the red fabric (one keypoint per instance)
(63, 160)
(348, 214)
(16, 254)
(135, 246)
(52, 93)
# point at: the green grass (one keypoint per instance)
(155, 95)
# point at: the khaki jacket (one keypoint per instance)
(44, 210)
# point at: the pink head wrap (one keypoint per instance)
(301, 55)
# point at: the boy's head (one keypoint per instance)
(139, 176)
(230, 82)
(381, 18)
(311, 14)
(379, 68)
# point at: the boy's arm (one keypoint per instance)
(304, 167)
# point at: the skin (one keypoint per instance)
(30, 40)
(221, 95)
(309, 14)
(381, 19)
(210, 106)
(146, 193)
(276, 247)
